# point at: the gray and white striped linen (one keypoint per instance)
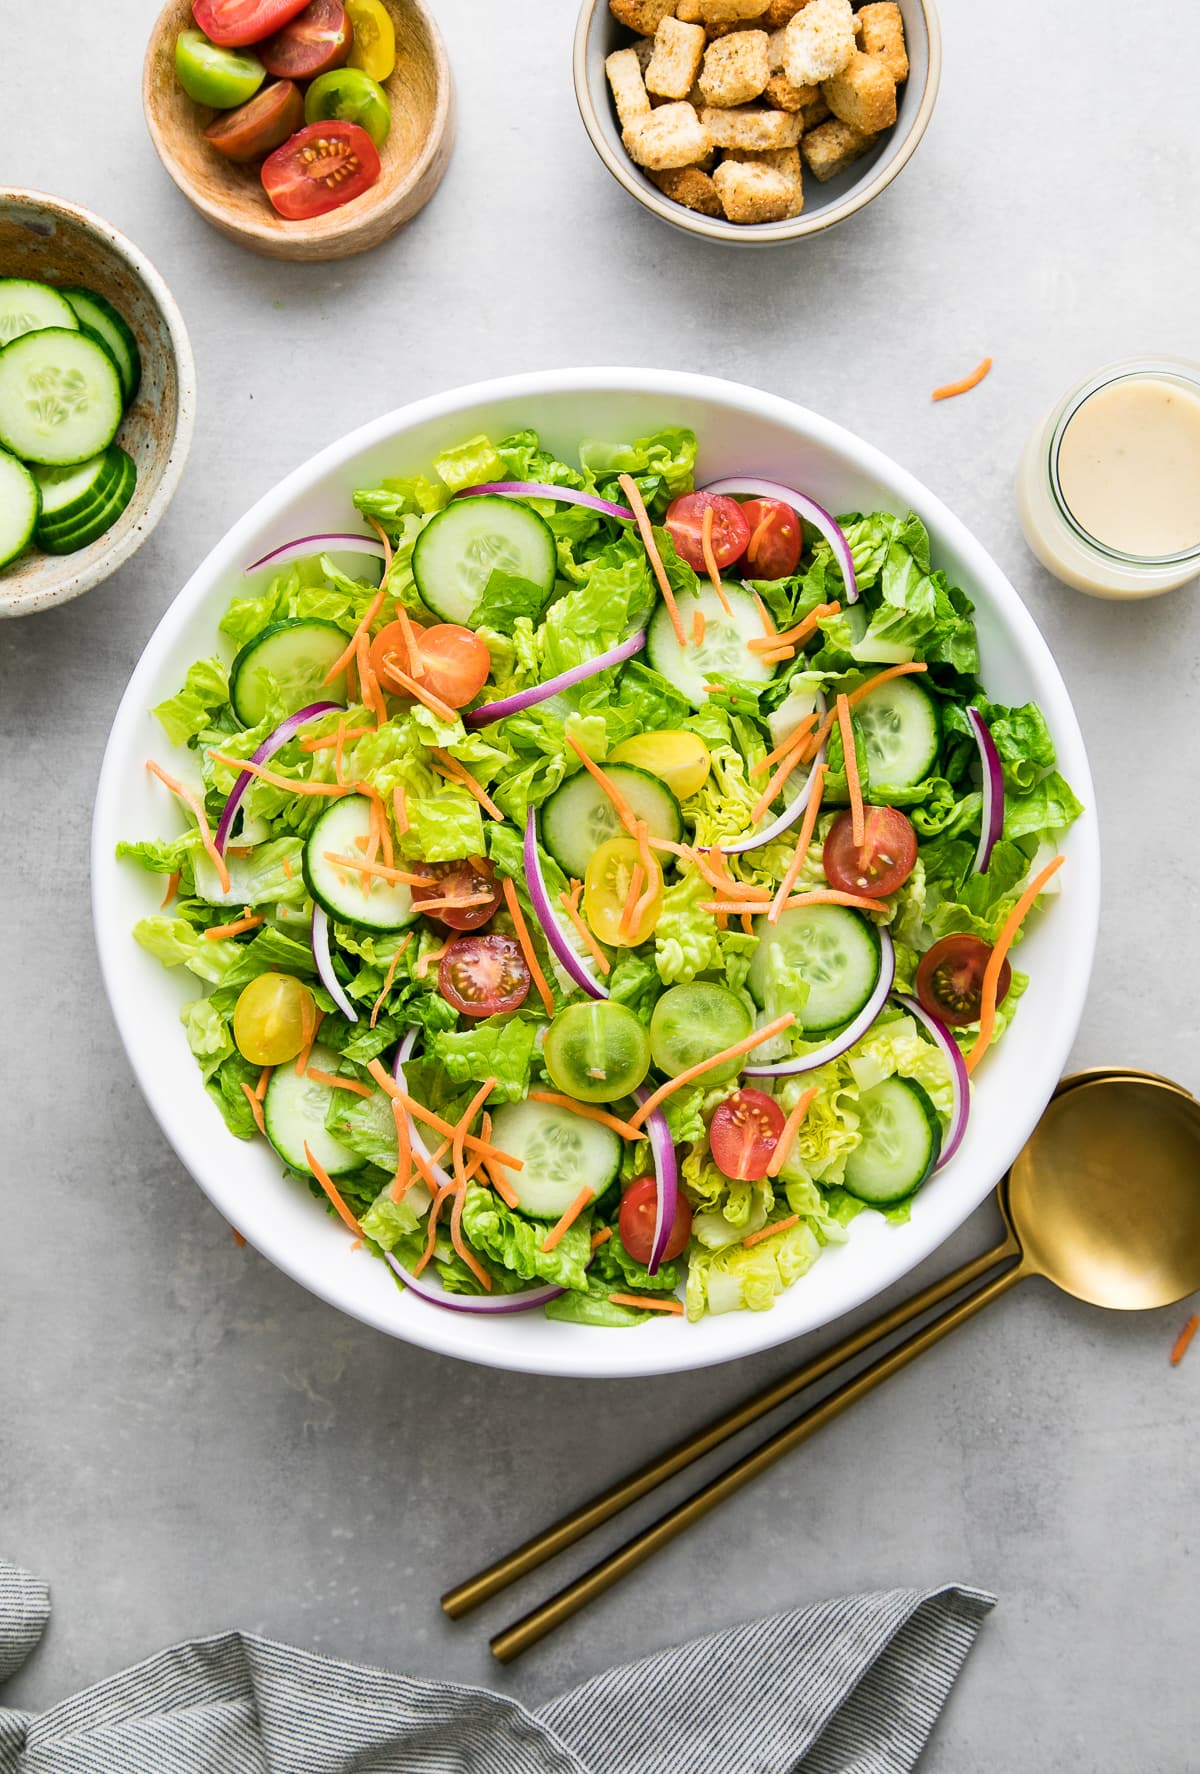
(846, 1687)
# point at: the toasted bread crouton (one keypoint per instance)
(780, 13)
(628, 87)
(780, 93)
(750, 126)
(641, 16)
(832, 147)
(752, 192)
(688, 12)
(678, 52)
(881, 34)
(818, 42)
(784, 160)
(691, 187)
(723, 12)
(735, 69)
(669, 137)
(643, 49)
(775, 51)
(863, 94)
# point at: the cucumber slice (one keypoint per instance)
(835, 950)
(60, 397)
(579, 817)
(79, 490)
(67, 536)
(20, 503)
(27, 307)
(561, 1152)
(902, 731)
(284, 668)
(900, 1139)
(100, 320)
(294, 1110)
(381, 904)
(693, 1022)
(458, 551)
(723, 648)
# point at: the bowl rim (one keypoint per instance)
(127, 543)
(760, 233)
(449, 1333)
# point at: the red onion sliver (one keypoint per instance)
(403, 1054)
(571, 963)
(435, 1294)
(532, 489)
(566, 680)
(993, 791)
(788, 817)
(324, 961)
(303, 546)
(271, 744)
(821, 1056)
(808, 508)
(666, 1172)
(962, 1078)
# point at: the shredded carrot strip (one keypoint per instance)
(416, 664)
(570, 904)
(387, 547)
(791, 1128)
(589, 1111)
(777, 781)
(796, 636)
(360, 865)
(643, 1304)
(458, 772)
(808, 826)
(856, 696)
(264, 1078)
(331, 739)
(403, 1179)
(747, 923)
(333, 1082)
(710, 559)
(439, 1200)
(853, 781)
(872, 826)
(287, 868)
(172, 889)
(339, 757)
(389, 979)
(500, 1183)
(372, 695)
(554, 1236)
(629, 909)
(1183, 1340)
(949, 389)
(421, 1113)
(330, 1188)
(256, 1109)
(350, 653)
(699, 624)
(794, 739)
(624, 811)
(277, 781)
(464, 1251)
(646, 530)
(527, 948)
(778, 656)
(310, 1034)
(425, 1165)
(653, 878)
(755, 1039)
(193, 801)
(400, 808)
(991, 974)
(601, 1237)
(380, 820)
(721, 881)
(433, 703)
(793, 1219)
(250, 921)
(768, 621)
(463, 1126)
(426, 961)
(816, 896)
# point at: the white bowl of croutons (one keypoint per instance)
(756, 121)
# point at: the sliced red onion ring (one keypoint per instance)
(496, 1305)
(330, 544)
(566, 680)
(993, 791)
(404, 1053)
(821, 1056)
(271, 744)
(572, 964)
(666, 1172)
(324, 961)
(961, 1077)
(532, 489)
(789, 816)
(816, 514)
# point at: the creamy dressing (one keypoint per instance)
(1129, 466)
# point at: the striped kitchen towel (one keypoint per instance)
(847, 1687)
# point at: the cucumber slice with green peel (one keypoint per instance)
(80, 489)
(902, 731)
(578, 817)
(723, 648)
(98, 318)
(284, 668)
(458, 551)
(380, 904)
(60, 397)
(294, 1111)
(900, 1138)
(27, 307)
(20, 503)
(68, 535)
(561, 1153)
(692, 1023)
(836, 952)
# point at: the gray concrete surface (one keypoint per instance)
(188, 1442)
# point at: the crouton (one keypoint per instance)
(750, 191)
(818, 42)
(669, 137)
(691, 187)
(628, 87)
(678, 52)
(780, 13)
(863, 94)
(783, 160)
(688, 12)
(643, 49)
(775, 51)
(881, 34)
(641, 16)
(832, 147)
(750, 126)
(780, 93)
(721, 12)
(735, 69)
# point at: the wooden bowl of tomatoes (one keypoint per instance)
(304, 129)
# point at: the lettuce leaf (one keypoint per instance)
(733, 1278)
(662, 465)
(500, 1049)
(516, 1243)
(204, 694)
(208, 1034)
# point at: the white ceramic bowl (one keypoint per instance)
(739, 429)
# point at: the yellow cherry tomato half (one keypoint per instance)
(606, 891)
(681, 760)
(272, 1019)
(374, 46)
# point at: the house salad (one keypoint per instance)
(603, 906)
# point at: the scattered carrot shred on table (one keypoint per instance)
(237, 1238)
(1184, 1339)
(949, 389)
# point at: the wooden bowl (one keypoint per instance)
(415, 155)
(59, 243)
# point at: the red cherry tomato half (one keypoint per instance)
(730, 529)
(743, 1133)
(235, 23)
(323, 166)
(950, 979)
(483, 975)
(456, 663)
(389, 653)
(776, 538)
(458, 880)
(879, 865)
(636, 1221)
(256, 128)
(316, 40)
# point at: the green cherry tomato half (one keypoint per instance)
(693, 1022)
(350, 96)
(214, 76)
(596, 1052)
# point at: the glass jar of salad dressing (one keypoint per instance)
(1108, 489)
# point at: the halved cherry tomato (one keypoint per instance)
(271, 1017)
(636, 1221)
(374, 38)
(950, 979)
(730, 529)
(234, 23)
(744, 1132)
(483, 975)
(316, 40)
(323, 166)
(776, 537)
(606, 885)
(258, 128)
(389, 652)
(456, 663)
(458, 880)
(879, 865)
(214, 76)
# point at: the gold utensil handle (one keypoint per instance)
(541, 1620)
